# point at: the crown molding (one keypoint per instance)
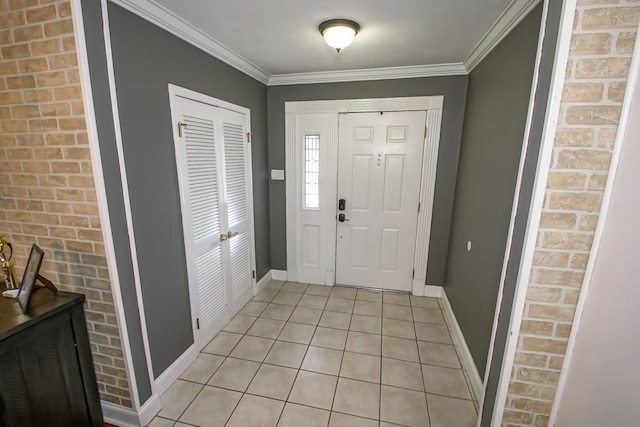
(167, 20)
(507, 21)
(334, 106)
(369, 74)
(170, 22)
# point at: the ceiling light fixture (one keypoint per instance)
(339, 33)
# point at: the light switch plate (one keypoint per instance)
(277, 175)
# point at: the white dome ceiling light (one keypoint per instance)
(339, 33)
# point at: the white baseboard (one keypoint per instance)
(421, 289)
(263, 281)
(119, 415)
(459, 341)
(433, 291)
(127, 417)
(171, 374)
(279, 275)
(150, 409)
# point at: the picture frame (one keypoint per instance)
(31, 273)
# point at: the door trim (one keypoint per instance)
(180, 92)
(431, 104)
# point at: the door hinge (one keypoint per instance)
(253, 274)
(413, 274)
(248, 137)
(181, 125)
(198, 323)
(425, 133)
(419, 207)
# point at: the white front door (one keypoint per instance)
(379, 170)
(212, 158)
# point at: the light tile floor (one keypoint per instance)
(318, 356)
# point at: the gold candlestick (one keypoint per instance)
(7, 266)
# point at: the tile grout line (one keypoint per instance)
(335, 391)
(381, 356)
(244, 393)
(297, 372)
(299, 368)
(235, 408)
(316, 326)
(190, 403)
(424, 385)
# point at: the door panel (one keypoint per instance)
(311, 248)
(236, 196)
(393, 183)
(380, 158)
(359, 245)
(397, 134)
(363, 134)
(200, 175)
(240, 264)
(211, 288)
(360, 182)
(236, 192)
(389, 249)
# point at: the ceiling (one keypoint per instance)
(278, 39)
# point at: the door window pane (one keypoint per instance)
(312, 171)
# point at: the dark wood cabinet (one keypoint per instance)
(46, 371)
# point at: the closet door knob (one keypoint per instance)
(223, 237)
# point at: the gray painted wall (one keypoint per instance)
(545, 72)
(147, 58)
(92, 15)
(494, 124)
(454, 90)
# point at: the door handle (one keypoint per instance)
(228, 235)
(342, 218)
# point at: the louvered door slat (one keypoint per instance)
(202, 176)
(213, 299)
(235, 173)
(235, 149)
(240, 264)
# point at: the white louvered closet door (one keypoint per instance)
(200, 175)
(236, 182)
(212, 158)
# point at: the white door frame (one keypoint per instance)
(177, 91)
(431, 104)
